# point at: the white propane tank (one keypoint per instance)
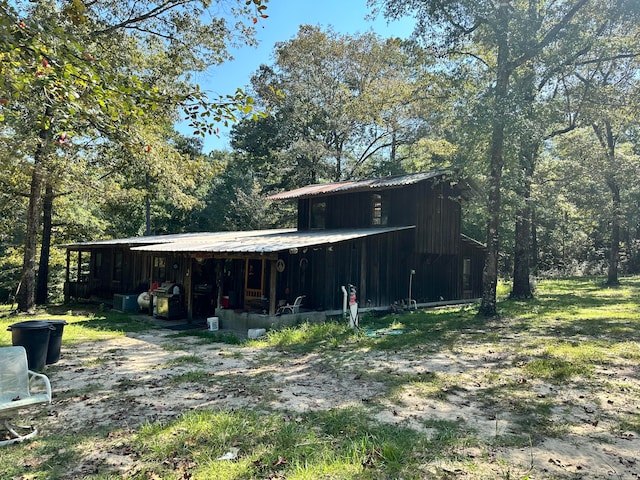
(144, 300)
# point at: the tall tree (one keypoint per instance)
(86, 68)
(503, 37)
(339, 102)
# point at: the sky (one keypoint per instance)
(284, 18)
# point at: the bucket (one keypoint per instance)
(213, 323)
(254, 333)
(33, 335)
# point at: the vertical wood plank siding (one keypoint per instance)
(379, 265)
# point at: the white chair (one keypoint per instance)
(16, 383)
(295, 308)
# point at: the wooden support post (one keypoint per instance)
(67, 289)
(272, 287)
(188, 287)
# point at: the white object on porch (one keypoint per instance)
(16, 383)
(295, 308)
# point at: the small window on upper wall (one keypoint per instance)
(318, 214)
(379, 210)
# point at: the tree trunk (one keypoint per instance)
(521, 288)
(604, 132)
(535, 257)
(488, 307)
(42, 286)
(614, 252)
(26, 294)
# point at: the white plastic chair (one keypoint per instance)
(16, 382)
(295, 308)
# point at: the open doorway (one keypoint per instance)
(254, 282)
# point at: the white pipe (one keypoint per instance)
(344, 299)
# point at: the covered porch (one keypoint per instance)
(240, 277)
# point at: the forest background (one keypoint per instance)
(536, 102)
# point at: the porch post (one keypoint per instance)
(79, 271)
(187, 288)
(272, 287)
(66, 278)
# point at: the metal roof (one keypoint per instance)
(358, 185)
(472, 241)
(261, 241)
(195, 238)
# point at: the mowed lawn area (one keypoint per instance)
(548, 390)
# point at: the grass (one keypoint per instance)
(85, 323)
(571, 332)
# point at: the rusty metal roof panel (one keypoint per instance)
(195, 238)
(263, 241)
(359, 185)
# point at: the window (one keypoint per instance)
(379, 213)
(318, 214)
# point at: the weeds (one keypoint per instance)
(541, 371)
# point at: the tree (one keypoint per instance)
(502, 37)
(341, 104)
(95, 70)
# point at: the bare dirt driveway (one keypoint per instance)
(125, 382)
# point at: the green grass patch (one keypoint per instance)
(195, 376)
(84, 324)
(342, 444)
(568, 339)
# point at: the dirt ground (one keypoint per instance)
(127, 381)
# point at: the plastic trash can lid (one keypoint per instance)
(32, 324)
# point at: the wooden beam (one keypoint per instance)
(272, 288)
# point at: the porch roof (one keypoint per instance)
(169, 238)
(260, 241)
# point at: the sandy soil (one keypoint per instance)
(126, 382)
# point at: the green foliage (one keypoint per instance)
(541, 371)
(88, 93)
(266, 445)
(342, 104)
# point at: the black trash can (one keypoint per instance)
(55, 341)
(33, 335)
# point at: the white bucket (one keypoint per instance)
(254, 333)
(213, 324)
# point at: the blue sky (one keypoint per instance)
(285, 16)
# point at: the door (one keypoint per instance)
(253, 281)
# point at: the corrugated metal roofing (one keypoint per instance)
(202, 237)
(472, 241)
(262, 241)
(352, 186)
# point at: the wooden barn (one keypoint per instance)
(396, 239)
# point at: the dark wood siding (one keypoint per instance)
(437, 220)
(476, 255)
(427, 205)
